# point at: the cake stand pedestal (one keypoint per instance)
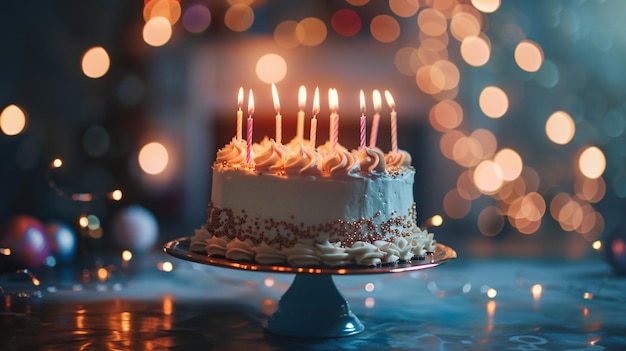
(312, 307)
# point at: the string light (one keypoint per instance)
(57, 163)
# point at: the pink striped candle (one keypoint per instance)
(363, 122)
(250, 124)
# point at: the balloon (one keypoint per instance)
(63, 241)
(135, 228)
(25, 236)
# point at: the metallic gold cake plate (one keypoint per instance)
(312, 307)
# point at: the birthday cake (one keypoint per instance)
(296, 204)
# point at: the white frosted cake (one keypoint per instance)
(293, 204)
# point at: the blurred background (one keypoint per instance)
(112, 111)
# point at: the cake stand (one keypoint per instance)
(312, 307)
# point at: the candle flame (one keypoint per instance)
(377, 99)
(316, 102)
(275, 97)
(362, 104)
(250, 103)
(240, 97)
(333, 99)
(389, 98)
(302, 97)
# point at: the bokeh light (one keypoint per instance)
(404, 8)
(157, 31)
(285, 34)
(510, 163)
(197, 18)
(488, 177)
(490, 221)
(486, 6)
(357, 2)
(592, 162)
(560, 128)
(95, 62)
(346, 22)
(475, 50)
(168, 9)
(385, 28)
(12, 120)
(465, 23)
(153, 158)
(493, 102)
(239, 17)
(446, 115)
(271, 68)
(528, 56)
(311, 31)
(432, 22)
(455, 205)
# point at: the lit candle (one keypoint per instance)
(316, 110)
(301, 104)
(362, 124)
(377, 100)
(279, 118)
(333, 102)
(239, 113)
(250, 123)
(394, 122)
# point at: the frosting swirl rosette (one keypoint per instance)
(239, 250)
(333, 254)
(303, 161)
(266, 254)
(272, 159)
(232, 153)
(216, 246)
(301, 255)
(340, 162)
(366, 254)
(400, 158)
(371, 160)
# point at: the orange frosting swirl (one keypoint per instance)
(400, 158)
(272, 159)
(340, 162)
(304, 162)
(371, 160)
(233, 153)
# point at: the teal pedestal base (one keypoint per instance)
(312, 307)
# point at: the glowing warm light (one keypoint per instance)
(560, 128)
(269, 282)
(488, 177)
(12, 120)
(450, 74)
(487, 141)
(432, 22)
(592, 190)
(103, 274)
(465, 24)
(167, 266)
(153, 158)
(466, 187)
(587, 296)
(239, 17)
(95, 62)
(536, 290)
(127, 255)
(369, 287)
(493, 102)
(357, 2)
(57, 163)
(5, 251)
(168, 305)
(510, 162)
(446, 115)
(597, 245)
(311, 31)
(116, 195)
(491, 293)
(385, 28)
(467, 151)
(35, 281)
(475, 51)
(528, 56)
(285, 34)
(271, 68)
(83, 222)
(436, 220)
(404, 8)
(346, 22)
(197, 18)
(486, 6)
(592, 162)
(370, 302)
(157, 31)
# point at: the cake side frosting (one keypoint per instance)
(308, 207)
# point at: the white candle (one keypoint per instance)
(316, 110)
(362, 124)
(250, 124)
(333, 103)
(394, 121)
(377, 100)
(301, 105)
(239, 113)
(279, 118)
